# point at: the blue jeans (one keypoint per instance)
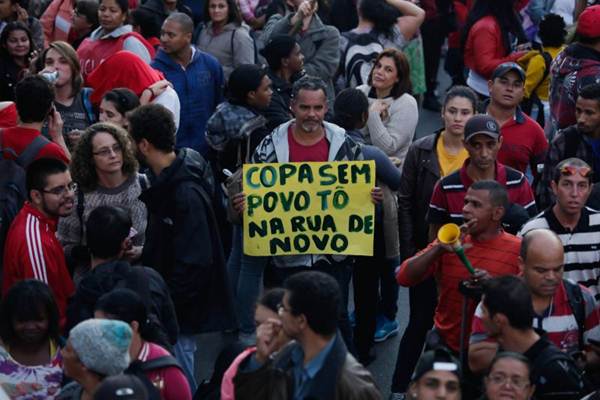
(184, 351)
(245, 275)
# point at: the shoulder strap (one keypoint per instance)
(547, 61)
(160, 362)
(31, 151)
(577, 305)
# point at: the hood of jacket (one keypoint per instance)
(188, 165)
(100, 34)
(102, 279)
(229, 122)
(336, 136)
(577, 57)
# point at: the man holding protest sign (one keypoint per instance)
(308, 139)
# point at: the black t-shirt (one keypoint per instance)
(74, 116)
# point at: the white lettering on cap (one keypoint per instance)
(444, 366)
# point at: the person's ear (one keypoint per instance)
(135, 326)
(554, 187)
(251, 96)
(490, 83)
(188, 37)
(521, 266)
(36, 197)
(497, 213)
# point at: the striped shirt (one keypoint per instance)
(498, 256)
(448, 196)
(557, 321)
(581, 246)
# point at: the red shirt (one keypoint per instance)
(170, 381)
(8, 116)
(19, 138)
(523, 143)
(559, 323)
(32, 251)
(498, 256)
(300, 153)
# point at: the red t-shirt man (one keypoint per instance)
(18, 138)
(318, 152)
(498, 256)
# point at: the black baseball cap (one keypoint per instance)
(506, 67)
(482, 124)
(436, 360)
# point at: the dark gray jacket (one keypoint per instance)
(420, 173)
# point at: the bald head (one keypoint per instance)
(539, 242)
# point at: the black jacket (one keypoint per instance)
(184, 245)
(9, 76)
(279, 109)
(120, 274)
(157, 9)
(420, 173)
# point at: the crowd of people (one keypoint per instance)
(124, 126)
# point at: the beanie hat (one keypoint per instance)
(102, 345)
(278, 47)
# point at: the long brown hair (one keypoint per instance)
(403, 70)
(69, 53)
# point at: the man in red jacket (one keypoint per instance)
(32, 250)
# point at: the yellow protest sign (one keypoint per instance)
(309, 208)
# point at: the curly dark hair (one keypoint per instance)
(82, 166)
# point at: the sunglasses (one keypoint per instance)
(570, 170)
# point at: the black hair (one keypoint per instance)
(349, 107)
(184, 20)
(233, 12)
(243, 80)
(28, 300)
(123, 5)
(154, 123)
(311, 83)
(513, 356)
(381, 14)
(144, 18)
(317, 296)
(106, 228)
(590, 92)
(574, 162)
(462, 91)
(34, 97)
(126, 305)
(39, 170)
(510, 296)
(272, 299)
(8, 29)
(506, 16)
(277, 48)
(89, 9)
(497, 193)
(552, 30)
(123, 99)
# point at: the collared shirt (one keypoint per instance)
(304, 374)
(581, 245)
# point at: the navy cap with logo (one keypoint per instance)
(506, 67)
(482, 124)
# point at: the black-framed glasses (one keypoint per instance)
(106, 151)
(62, 190)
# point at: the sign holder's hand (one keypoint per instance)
(238, 202)
(377, 195)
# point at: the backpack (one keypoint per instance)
(12, 183)
(87, 105)
(577, 305)
(140, 368)
(528, 104)
(358, 57)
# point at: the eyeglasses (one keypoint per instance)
(62, 190)
(516, 381)
(570, 170)
(106, 151)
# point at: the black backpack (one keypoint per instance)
(140, 368)
(12, 183)
(360, 53)
(555, 369)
